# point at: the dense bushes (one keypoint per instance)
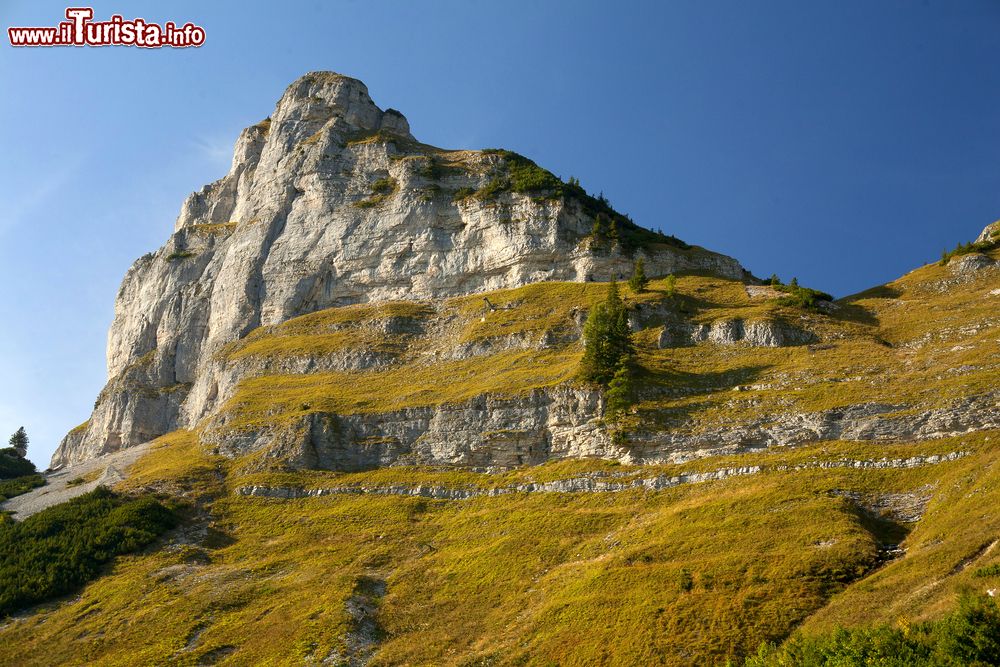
(519, 174)
(969, 636)
(801, 297)
(12, 465)
(61, 548)
(18, 485)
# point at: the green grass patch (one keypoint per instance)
(381, 190)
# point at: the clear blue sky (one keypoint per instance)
(840, 142)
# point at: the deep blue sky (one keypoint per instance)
(840, 142)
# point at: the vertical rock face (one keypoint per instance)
(329, 202)
(484, 431)
(755, 333)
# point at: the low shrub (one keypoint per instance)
(59, 549)
(801, 297)
(968, 636)
(969, 248)
(18, 485)
(178, 255)
(988, 571)
(12, 465)
(381, 190)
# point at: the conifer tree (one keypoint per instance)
(19, 441)
(620, 394)
(671, 285)
(638, 281)
(607, 339)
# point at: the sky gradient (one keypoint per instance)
(843, 143)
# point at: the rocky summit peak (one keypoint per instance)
(331, 202)
(328, 95)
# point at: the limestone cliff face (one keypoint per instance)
(485, 431)
(329, 202)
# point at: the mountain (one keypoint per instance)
(352, 376)
(332, 202)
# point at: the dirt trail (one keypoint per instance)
(107, 470)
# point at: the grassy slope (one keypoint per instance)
(911, 343)
(693, 574)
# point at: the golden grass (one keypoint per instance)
(865, 353)
(214, 228)
(698, 573)
(279, 398)
(695, 574)
(79, 428)
(533, 309)
(328, 332)
(943, 552)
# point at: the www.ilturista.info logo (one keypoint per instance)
(80, 30)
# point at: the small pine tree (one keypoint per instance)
(599, 229)
(620, 393)
(19, 441)
(638, 281)
(671, 285)
(613, 232)
(775, 280)
(607, 339)
(596, 330)
(794, 282)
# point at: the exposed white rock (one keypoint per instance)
(595, 484)
(756, 333)
(484, 431)
(990, 233)
(492, 431)
(874, 422)
(966, 265)
(328, 202)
